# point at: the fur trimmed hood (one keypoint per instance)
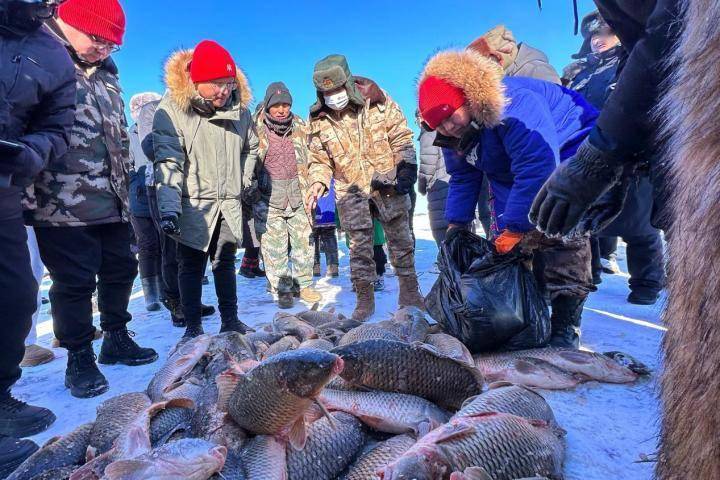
(479, 78)
(181, 88)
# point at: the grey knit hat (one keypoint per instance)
(276, 93)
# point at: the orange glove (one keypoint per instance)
(507, 241)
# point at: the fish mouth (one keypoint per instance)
(629, 362)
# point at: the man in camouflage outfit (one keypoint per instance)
(359, 136)
(283, 182)
(80, 204)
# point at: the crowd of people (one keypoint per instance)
(198, 176)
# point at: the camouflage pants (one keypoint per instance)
(356, 217)
(288, 228)
(561, 267)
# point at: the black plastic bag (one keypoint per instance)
(488, 301)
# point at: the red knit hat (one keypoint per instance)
(102, 18)
(438, 99)
(210, 61)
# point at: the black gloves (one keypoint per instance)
(400, 179)
(170, 224)
(609, 206)
(572, 189)
(251, 194)
(18, 159)
(406, 177)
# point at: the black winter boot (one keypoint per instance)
(13, 452)
(565, 320)
(18, 419)
(233, 324)
(82, 376)
(192, 331)
(206, 310)
(119, 347)
(151, 293)
(176, 314)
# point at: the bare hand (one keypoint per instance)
(315, 191)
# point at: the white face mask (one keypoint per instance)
(337, 101)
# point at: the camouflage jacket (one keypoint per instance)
(354, 144)
(89, 184)
(302, 155)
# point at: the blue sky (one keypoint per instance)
(281, 40)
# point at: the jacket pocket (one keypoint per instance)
(391, 207)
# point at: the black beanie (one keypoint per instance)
(276, 93)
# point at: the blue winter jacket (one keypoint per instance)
(543, 125)
(325, 212)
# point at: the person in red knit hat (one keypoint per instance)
(95, 28)
(205, 153)
(81, 209)
(515, 130)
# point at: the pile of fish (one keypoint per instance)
(316, 396)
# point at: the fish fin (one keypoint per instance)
(500, 384)
(315, 306)
(227, 382)
(122, 468)
(52, 440)
(90, 453)
(423, 428)
(172, 386)
(180, 403)
(340, 316)
(469, 400)
(575, 356)
(297, 436)
(456, 432)
(325, 412)
(471, 473)
(526, 365)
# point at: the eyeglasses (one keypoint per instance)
(219, 87)
(102, 44)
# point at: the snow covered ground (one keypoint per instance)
(609, 427)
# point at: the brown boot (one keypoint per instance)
(310, 295)
(332, 270)
(36, 355)
(410, 292)
(365, 305)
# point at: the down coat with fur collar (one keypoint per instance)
(527, 126)
(202, 160)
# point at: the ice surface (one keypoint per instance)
(609, 427)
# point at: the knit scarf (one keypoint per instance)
(277, 126)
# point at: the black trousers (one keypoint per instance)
(380, 258)
(325, 241)
(645, 259)
(168, 252)
(646, 262)
(222, 250)
(81, 259)
(148, 242)
(18, 294)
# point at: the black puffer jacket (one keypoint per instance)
(37, 105)
(648, 30)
